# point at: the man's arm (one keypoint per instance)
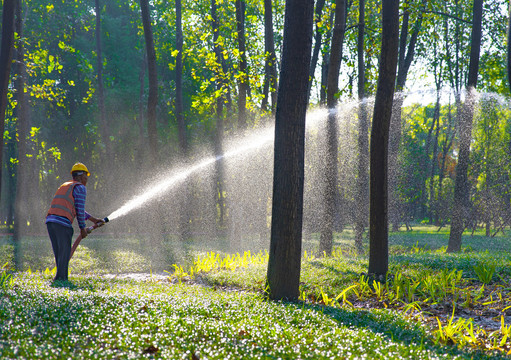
(80, 194)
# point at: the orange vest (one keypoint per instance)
(63, 203)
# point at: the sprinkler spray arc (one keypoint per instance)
(260, 139)
(89, 230)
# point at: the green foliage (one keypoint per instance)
(484, 272)
(6, 279)
(98, 318)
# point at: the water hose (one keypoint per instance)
(89, 230)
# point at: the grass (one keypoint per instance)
(433, 305)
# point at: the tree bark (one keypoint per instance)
(101, 95)
(317, 44)
(270, 67)
(378, 227)
(20, 200)
(330, 192)
(6, 50)
(283, 275)
(181, 126)
(141, 151)
(509, 49)
(219, 165)
(243, 79)
(461, 185)
(152, 99)
(363, 141)
(405, 59)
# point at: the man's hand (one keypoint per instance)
(84, 233)
(97, 221)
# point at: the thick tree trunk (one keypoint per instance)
(363, 141)
(270, 67)
(152, 99)
(330, 192)
(243, 79)
(283, 276)
(6, 50)
(378, 226)
(461, 186)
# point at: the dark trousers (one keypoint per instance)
(61, 237)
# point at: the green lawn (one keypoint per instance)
(433, 305)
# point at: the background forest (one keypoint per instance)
(139, 90)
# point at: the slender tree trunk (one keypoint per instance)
(152, 100)
(243, 79)
(183, 144)
(270, 67)
(324, 77)
(378, 225)
(283, 276)
(424, 164)
(20, 200)
(6, 50)
(141, 153)
(509, 49)
(363, 141)
(185, 213)
(405, 59)
(101, 95)
(434, 160)
(461, 186)
(330, 191)
(219, 171)
(317, 44)
(445, 149)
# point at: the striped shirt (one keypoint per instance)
(79, 194)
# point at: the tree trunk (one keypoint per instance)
(461, 185)
(219, 170)
(20, 200)
(101, 96)
(317, 44)
(378, 225)
(406, 55)
(270, 67)
(509, 48)
(363, 141)
(141, 153)
(243, 79)
(6, 50)
(185, 213)
(152, 99)
(283, 275)
(181, 126)
(330, 192)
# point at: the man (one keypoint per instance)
(68, 203)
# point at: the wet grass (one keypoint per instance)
(433, 305)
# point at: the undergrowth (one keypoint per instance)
(431, 305)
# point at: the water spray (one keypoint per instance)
(89, 230)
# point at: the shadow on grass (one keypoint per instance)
(394, 328)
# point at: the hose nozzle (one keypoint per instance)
(98, 224)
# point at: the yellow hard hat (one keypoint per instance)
(80, 167)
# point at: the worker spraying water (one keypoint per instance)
(68, 204)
